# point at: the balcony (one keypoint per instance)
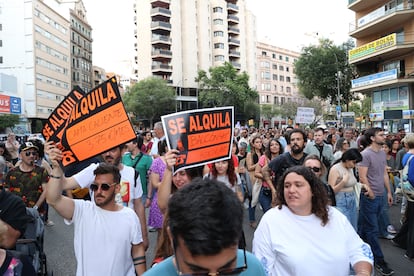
(161, 55)
(381, 19)
(234, 54)
(160, 3)
(234, 31)
(161, 27)
(360, 5)
(160, 14)
(234, 42)
(161, 68)
(232, 8)
(386, 48)
(232, 19)
(236, 65)
(160, 40)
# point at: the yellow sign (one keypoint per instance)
(374, 46)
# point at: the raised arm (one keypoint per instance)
(63, 205)
(164, 190)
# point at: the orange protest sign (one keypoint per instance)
(57, 121)
(202, 136)
(97, 123)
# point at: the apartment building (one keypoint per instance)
(276, 81)
(38, 43)
(384, 58)
(176, 39)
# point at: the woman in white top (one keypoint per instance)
(342, 180)
(341, 146)
(302, 235)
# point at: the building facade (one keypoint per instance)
(36, 50)
(384, 58)
(276, 81)
(176, 39)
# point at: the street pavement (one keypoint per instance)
(61, 259)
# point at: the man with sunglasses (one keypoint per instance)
(130, 185)
(28, 180)
(107, 235)
(205, 222)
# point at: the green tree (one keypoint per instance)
(8, 120)
(267, 111)
(225, 86)
(318, 69)
(149, 99)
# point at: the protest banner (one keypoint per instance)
(57, 121)
(97, 123)
(201, 136)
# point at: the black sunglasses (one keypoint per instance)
(315, 169)
(104, 186)
(225, 271)
(28, 153)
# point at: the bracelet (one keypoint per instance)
(54, 176)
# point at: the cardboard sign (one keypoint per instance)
(96, 123)
(201, 136)
(57, 121)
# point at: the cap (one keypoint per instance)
(27, 146)
(13, 211)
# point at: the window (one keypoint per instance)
(265, 75)
(264, 53)
(281, 89)
(262, 98)
(218, 21)
(288, 89)
(287, 68)
(281, 78)
(274, 56)
(266, 87)
(275, 87)
(274, 66)
(280, 57)
(274, 77)
(276, 100)
(281, 68)
(218, 45)
(218, 33)
(282, 100)
(1, 60)
(218, 9)
(287, 79)
(265, 64)
(287, 59)
(267, 99)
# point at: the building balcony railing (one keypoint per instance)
(236, 65)
(382, 18)
(161, 25)
(233, 19)
(234, 30)
(360, 5)
(161, 67)
(160, 39)
(232, 8)
(160, 54)
(388, 47)
(234, 53)
(160, 3)
(161, 12)
(234, 41)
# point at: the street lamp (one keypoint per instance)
(338, 92)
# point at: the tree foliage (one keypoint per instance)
(8, 120)
(149, 99)
(317, 70)
(225, 86)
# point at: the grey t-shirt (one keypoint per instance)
(376, 163)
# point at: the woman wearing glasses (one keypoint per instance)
(342, 179)
(341, 146)
(311, 230)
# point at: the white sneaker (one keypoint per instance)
(389, 237)
(391, 229)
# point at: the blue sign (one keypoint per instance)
(15, 105)
(338, 108)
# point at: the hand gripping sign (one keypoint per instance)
(201, 136)
(97, 122)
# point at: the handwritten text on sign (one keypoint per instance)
(202, 136)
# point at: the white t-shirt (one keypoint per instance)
(288, 244)
(103, 239)
(129, 191)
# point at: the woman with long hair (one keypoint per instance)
(252, 159)
(341, 146)
(342, 180)
(303, 226)
(273, 149)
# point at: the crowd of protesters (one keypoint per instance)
(319, 183)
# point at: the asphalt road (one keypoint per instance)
(61, 259)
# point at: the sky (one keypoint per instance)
(289, 24)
